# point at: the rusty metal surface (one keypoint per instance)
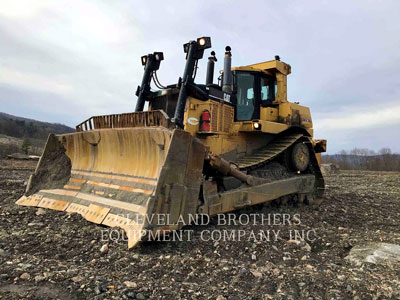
(266, 192)
(127, 120)
(228, 169)
(113, 172)
(300, 156)
(238, 198)
(119, 177)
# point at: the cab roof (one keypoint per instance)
(269, 67)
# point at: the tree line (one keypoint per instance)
(30, 135)
(30, 129)
(365, 159)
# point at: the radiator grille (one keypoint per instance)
(228, 117)
(221, 117)
(214, 117)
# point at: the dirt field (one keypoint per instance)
(53, 255)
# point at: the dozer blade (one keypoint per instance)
(120, 177)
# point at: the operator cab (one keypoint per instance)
(253, 90)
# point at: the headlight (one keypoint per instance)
(144, 59)
(159, 55)
(204, 42)
(256, 125)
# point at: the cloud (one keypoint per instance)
(22, 9)
(85, 56)
(373, 117)
(33, 81)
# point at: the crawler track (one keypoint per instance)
(260, 162)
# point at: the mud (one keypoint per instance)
(52, 255)
(54, 168)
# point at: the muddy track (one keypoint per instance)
(53, 255)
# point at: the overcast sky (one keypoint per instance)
(64, 61)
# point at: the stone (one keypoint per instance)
(328, 169)
(25, 276)
(104, 248)
(40, 211)
(24, 266)
(130, 284)
(39, 278)
(77, 278)
(140, 296)
(256, 274)
(100, 288)
(129, 295)
(243, 271)
(375, 253)
(309, 267)
(293, 242)
(33, 224)
(307, 247)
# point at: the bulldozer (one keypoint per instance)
(189, 149)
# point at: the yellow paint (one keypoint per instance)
(269, 114)
(99, 200)
(287, 114)
(96, 213)
(53, 204)
(117, 177)
(127, 151)
(119, 187)
(71, 187)
(137, 154)
(77, 180)
(76, 208)
(273, 65)
(272, 127)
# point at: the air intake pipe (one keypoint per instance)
(227, 81)
(210, 68)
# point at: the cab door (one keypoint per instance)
(246, 96)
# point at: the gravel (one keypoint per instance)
(54, 255)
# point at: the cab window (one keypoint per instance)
(268, 90)
(245, 96)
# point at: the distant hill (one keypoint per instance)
(27, 128)
(14, 131)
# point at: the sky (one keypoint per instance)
(65, 61)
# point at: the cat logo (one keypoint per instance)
(193, 121)
(227, 97)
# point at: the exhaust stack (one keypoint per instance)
(210, 68)
(227, 82)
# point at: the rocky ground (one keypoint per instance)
(51, 255)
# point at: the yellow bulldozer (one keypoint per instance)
(197, 149)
